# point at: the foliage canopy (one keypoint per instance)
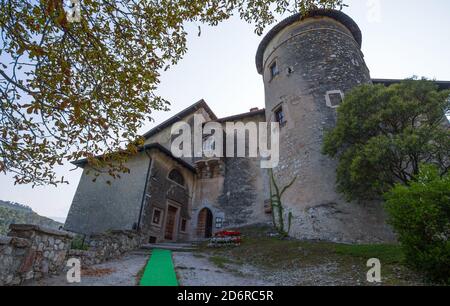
(420, 214)
(384, 133)
(71, 90)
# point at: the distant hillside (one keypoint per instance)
(19, 214)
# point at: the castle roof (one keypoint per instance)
(172, 120)
(242, 116)
(180, 116)
(169, 154)
(82, 162)
(334, 14)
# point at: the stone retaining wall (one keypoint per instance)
(31, 252)
(12, 253)
(107, 246)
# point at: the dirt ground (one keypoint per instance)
(119, 272)
(264, 260)
(194, 269)
(261, 260)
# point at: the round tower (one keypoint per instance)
(308, 63)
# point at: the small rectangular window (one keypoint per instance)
(280, 117)
(334, 98)
(274, 70)
(183, 225)
(157, 217)
(219, 222)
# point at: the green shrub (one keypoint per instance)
(78, 244)
(420, 214)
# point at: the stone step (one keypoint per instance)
(180, 244)
(169, 246)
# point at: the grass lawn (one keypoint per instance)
(279, 256)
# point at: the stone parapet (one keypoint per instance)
(32, 252)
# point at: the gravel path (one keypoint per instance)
(118, 272)
(196, 269)
(193, 270)
(202, 269)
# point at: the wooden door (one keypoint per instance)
(205, 223)
(209, 224)
(170, 222)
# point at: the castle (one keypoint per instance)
(308, 63)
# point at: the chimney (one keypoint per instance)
(254, 109)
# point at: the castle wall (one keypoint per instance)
(245, 187)
(32, 252)
(237, 193)
(244, 192)
(161, 192)
(98, 207)
(317, 59)
(207, 191)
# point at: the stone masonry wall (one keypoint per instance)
(161, 192)
(244, 192)
(238, 194)
(316, 57)
(32, 252)
(106, 246)
(13, 251)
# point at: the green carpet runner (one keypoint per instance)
(159, 270)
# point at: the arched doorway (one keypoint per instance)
(205, 223)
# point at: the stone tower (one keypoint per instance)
(308, 63)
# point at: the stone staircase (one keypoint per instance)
(172, 246)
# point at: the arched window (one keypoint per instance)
(176, 177)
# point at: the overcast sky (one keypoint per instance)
(401, 38)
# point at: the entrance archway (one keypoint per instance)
(205, 223)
